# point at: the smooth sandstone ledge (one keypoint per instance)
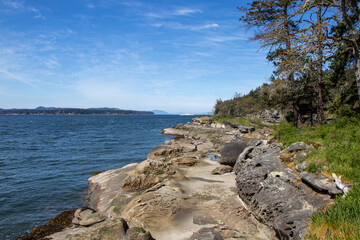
(176, 194)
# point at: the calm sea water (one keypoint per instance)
(45, 161)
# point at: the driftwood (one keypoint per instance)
(341, 186)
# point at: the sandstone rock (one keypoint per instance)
(86, 217)
(187, 161)
(299, 146)
(203, 219)
(138, 182)
(320, 183)
(231, 152)
(163, 151)
(173, 131)
(153, 209)
(92, 219)
(221, 170)
(153, 167)
(137, 233)
(206, 234)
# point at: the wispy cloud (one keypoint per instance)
(186, 11)
(16, 76)
(20, 6)
(13, 4)
(180, 26)
(90, 5)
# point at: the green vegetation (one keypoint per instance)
(339, 152)
(239, 120)
(340, 221)
(314, 46)
(339, 143)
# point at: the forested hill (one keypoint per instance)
(315, 49)
(72, 111)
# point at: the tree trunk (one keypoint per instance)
(357, 74)
(297, 114)
(319, 101)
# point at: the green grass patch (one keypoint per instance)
(338, 144)
(240, 120)
(337, 150)
(340, 221)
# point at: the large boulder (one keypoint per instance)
(231, 152)
(274, 193)
(320, 183)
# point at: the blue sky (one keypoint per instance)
(177, 56)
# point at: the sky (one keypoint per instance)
(176, 56)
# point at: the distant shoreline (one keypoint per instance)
(72, 111)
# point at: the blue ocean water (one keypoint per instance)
(45, 161)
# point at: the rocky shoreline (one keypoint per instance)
(181, 191)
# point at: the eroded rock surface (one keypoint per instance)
(174, 192)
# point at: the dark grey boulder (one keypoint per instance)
(246, 129)
(231, 152)
(299, 146)
(274, 194)
(206, 234)
(320, 183)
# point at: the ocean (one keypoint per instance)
(45, 161)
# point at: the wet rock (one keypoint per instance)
(246, 129)
(57, 224)
(138, 182)
(206, 234)
(320, 183)
(222, 170)
(231, 152)
(137, 233)
(299, 146)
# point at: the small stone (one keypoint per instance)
(302, 166)
(299, 146)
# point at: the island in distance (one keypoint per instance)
(72, 111)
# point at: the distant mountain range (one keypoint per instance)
(72, 111)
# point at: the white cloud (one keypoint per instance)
(186, 11)
(16, 76)
(90, 5)
(13, 4)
